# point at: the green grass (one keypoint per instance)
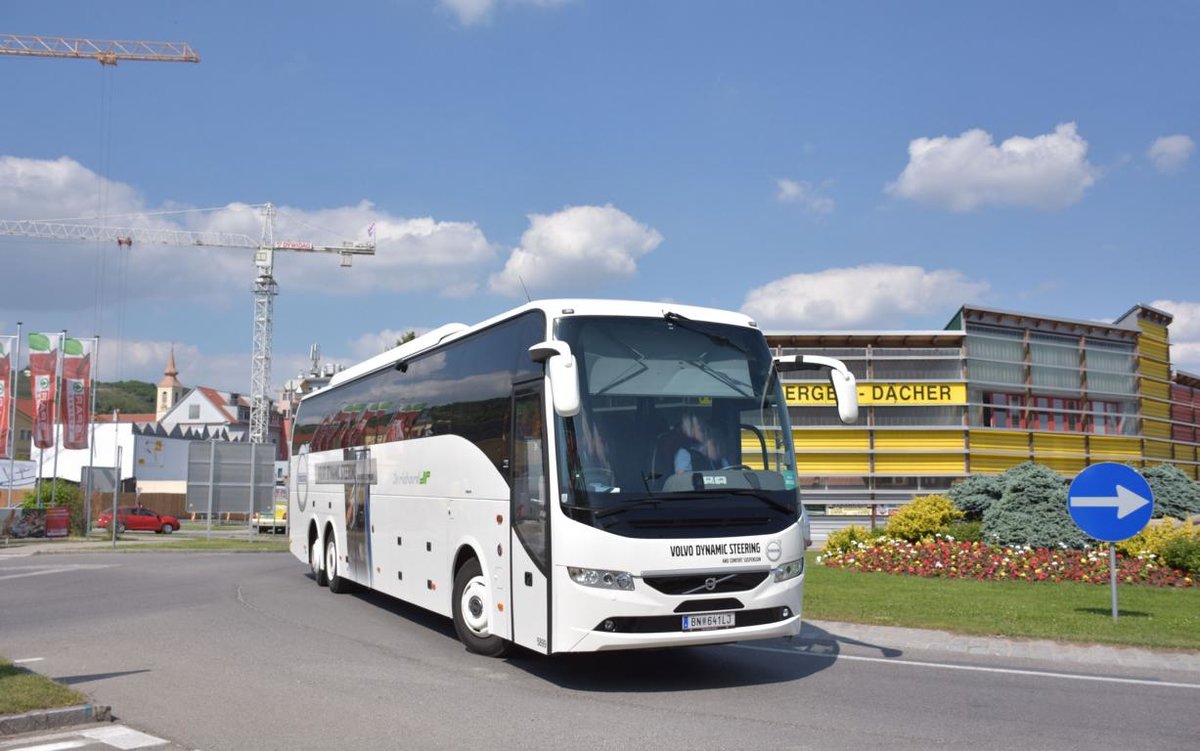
(1149, 617)
(221, 545)
(23, 691)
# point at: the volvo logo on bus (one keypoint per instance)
(774, 550)
(710, 583)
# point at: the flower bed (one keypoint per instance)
(946, 557)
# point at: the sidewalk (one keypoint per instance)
(17, 549)
(888, 640)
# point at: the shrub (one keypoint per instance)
(60, 493)
(1175, 494)
(1182, 552)
(966, 531)
(1152, 539)
(974, 494)
(923, 517)
(1032, 510)
(847, 538)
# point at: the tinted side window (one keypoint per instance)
(461, 389)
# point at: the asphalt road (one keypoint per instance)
(244, 651)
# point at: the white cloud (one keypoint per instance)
(412, 253)
(374, 343)
(1184, 333)
(962, 173)
(471, 12)
(1168, 153)
(804, 194)
(58, 188)
(578, 248)
(871, 296)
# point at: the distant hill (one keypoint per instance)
(130, 397)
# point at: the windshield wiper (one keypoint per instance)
(717, 375)
(745, 492)
(684, 322)
(623, 507)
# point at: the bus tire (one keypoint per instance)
(472, 606)
(337, 583)
(314, 562)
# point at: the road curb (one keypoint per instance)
(48, 719)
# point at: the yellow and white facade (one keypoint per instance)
(990, 391)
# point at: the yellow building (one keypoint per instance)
(990, 391)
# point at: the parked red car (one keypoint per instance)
(139, 519)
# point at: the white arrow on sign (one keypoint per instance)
(1125, 501)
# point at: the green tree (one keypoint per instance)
(60, 493)
(1032, 510)
(406, 338)
(975, 494)
(1175, 494)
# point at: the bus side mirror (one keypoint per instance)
(844, 387)
(562, 373)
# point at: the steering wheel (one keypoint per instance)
(736, 466)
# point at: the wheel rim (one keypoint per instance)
(314, 557)
(475, 605)
(331, 560)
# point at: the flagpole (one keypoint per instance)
(87, 504)
(15, 381)
(54, 412)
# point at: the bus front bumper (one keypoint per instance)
(641, 619)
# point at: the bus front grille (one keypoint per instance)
(699, 584)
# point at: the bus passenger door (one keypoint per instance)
(530, 542)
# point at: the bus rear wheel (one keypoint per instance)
(472, 604)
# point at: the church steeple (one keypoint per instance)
(169, 388)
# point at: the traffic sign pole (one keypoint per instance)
(1110, 502)
(1112, 571)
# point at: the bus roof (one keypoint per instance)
(554, 308)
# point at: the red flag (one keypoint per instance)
(77, 393)
(5, 405)
(43, 362)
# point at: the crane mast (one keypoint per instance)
(265, 286)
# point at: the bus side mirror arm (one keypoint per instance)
(562, 374)
(840, 377)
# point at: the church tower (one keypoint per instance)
(170, 390)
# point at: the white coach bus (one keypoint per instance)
(570, 476)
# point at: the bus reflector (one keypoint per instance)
(500, 607)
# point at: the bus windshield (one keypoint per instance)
(682, 430)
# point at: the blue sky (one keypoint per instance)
(819, 165)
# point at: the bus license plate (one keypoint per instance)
(708, 621)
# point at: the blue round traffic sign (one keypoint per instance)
(1110, 501)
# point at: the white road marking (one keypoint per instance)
(28, 659)
(973, 668)
(119, 736)
(43, 570)
(53, 746)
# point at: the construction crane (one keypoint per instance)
(265, 287)
(105, 51)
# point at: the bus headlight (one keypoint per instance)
(789, 570)
(596, 577)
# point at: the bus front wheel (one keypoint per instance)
(472, 602)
